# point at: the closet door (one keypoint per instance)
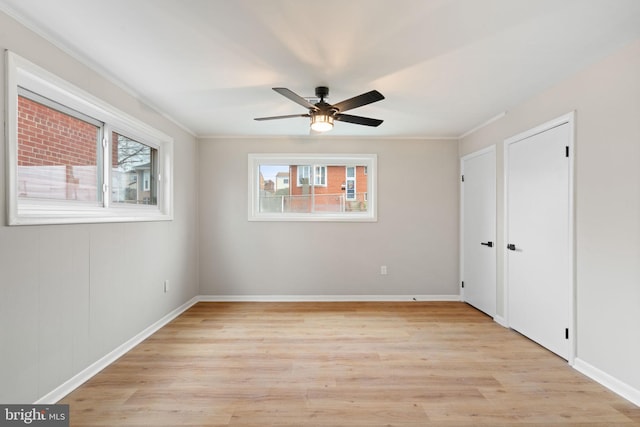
(478, 205)
(539, 238)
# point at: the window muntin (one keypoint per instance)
(72, 196)
(334, 195)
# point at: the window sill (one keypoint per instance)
(317, 218)
(47, 214)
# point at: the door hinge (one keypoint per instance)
(463, 283)
(566, 333)
(566, 151)
(105, 188)
(462, 178)
(104, 142)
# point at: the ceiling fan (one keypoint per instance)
(323, 114)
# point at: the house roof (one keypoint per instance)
(444, 66)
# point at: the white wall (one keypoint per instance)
(606, 98)
(416, 235)
(70, 294)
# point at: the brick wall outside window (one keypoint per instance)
(57, 153)
(47, 137)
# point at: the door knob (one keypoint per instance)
(511, 247)
(490, 244)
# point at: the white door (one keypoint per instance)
(478, 203)
(538, 256)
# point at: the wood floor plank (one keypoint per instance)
(342, 364)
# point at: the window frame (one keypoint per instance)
(255, 160)
(21, 73)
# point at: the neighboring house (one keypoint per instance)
(269, 186)
(282, 181)
(143, 187)
(339, 188)
(334, 189)
(133, 185)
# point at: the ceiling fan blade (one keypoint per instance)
(281, 117)
(287, 93)
(359, 101)
(358, 120)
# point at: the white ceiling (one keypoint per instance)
(444, 66)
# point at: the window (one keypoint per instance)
(325, 187)
(73, 158)
(319, 178)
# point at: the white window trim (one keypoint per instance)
(255, 160)
(23, 73)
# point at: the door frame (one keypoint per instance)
(487, 150)
(568, 119)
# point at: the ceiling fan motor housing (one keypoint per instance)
(322, 92)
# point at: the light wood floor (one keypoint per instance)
(342, 364)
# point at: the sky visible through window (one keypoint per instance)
(269, 172)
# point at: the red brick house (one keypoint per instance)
(335, 188)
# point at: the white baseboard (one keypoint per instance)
(613, 384)
(93, 369)
(500, 321)
(325, 298)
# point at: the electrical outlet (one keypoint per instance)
(383, 270)
(166, 286)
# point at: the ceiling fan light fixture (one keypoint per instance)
(322, 114)
(321, 122)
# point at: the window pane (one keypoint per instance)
(57, 154)
(133, 166)
(274, 185)
(337, 189)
